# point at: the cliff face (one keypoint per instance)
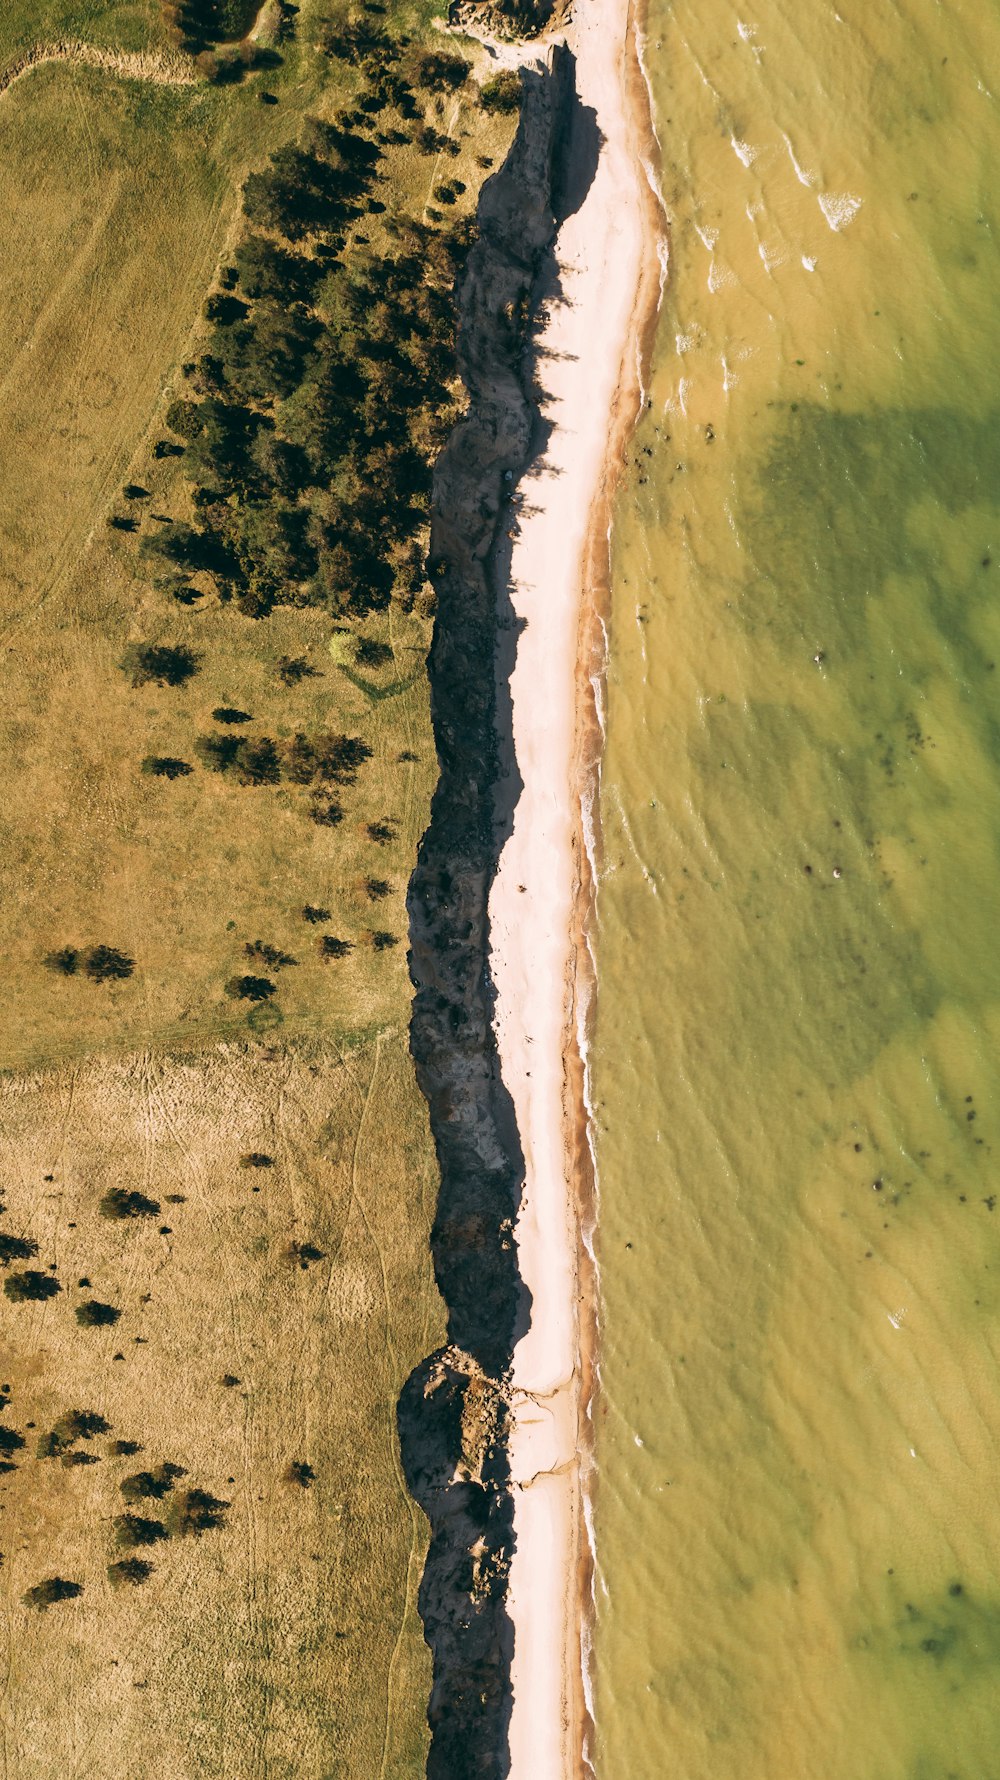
(451, 1416)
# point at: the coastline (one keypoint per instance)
(591, 350)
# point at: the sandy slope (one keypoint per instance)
(610, 280)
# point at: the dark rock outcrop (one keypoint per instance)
(468, 1503)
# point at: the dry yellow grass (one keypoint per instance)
(284, 1642)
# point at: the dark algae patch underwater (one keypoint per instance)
(796, 1056)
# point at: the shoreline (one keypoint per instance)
(591, 351)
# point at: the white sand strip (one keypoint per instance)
(606, 251)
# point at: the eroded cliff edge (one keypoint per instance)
(452, 1418)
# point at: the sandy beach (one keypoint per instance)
(591, 343)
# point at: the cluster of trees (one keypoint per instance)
(102, 964)
(201, 27)
(328, 381)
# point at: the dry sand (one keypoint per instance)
(609, 257)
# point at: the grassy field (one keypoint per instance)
(282, 1640)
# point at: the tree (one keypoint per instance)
(267, 270)
(159, 664)
(376, 889)
(315, 914)
(441, 71)
(16, 1248)
(185, 418)
(54, 1588)
(31, 1287)
(383, 941)
(502, 95)
(229, 714)
(266, 954)
(199, 1512)
(95, 1315)
(10, 1441)
(104, 964)
(65, 962)
(329, 947)
(132, 1571)
(120, 1204)
(251, 988)
(78, 1424)
(256, 1159)
(136, 1529)
(301, 1473)
(150, 1485)
(166, 766)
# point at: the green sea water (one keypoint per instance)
(796, 1055)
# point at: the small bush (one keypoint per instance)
(256, 1159)
(270, 955)
(104, 964)
(329, 947)
(305, 1253)
(326, 814)
(53, 1589)
(153, 1485)
(166, 766)
(292, 669)
(198, 1512)
(314, 914)
(502, 94)
(129, 1571)
(382, 942)
(121, 1204)
(135, 1529)
(65, 962)
(229, 714)
(251, 988)
(301, 1473)
(377, 888)
(159, 664)
(16, 1248)
(126, 1448)
(31, 1287)
(371, 653)
(96, 1315)
(380, 832)
(441, 71)
(186, 419)
(78, 1424)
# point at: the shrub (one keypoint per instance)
(121, 1204)
(256, 1159)
(441, 71)
(268, 954)
(148, 1484)
(53, 1589)
(159, 664)
(95, 1315)
(251, 988)
(16, 1248)
(104, 964)
(166, 766)
(132, 1571)
(305, 1253)
(65, 962)
(377, 888)
(185, 419)
(371, 653)
(293, 668)
(384, 941)
(10, 1441)
(135, 1529)
(198, 1512)
(329, 947)
(78, 1424)
(314, 914)
(31, 1287)
(380, 832)
(327, 815)
(502, 94)
(300, 1472)
(230, 714)
(258, 762)
(126, 1448)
